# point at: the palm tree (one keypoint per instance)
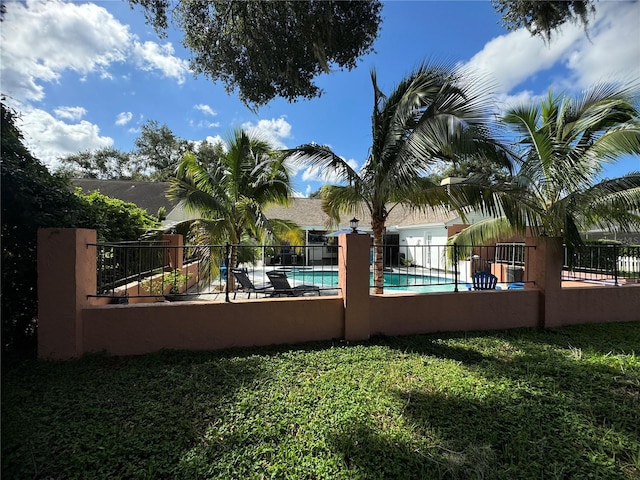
(230, 194)
(437, 113)
(563, 144)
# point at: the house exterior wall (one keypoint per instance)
(422, 245)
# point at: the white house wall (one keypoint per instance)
(424, 246)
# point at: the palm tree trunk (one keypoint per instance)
(378, 260)
(233, 263)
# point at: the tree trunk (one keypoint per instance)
(233, 263)
(378, 260)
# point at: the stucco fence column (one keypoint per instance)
(545, 269)
(353, 279)
(66, 276)
(174, 253)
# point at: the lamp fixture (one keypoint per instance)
(353, 223)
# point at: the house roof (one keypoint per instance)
(307, 212)
(149, 196)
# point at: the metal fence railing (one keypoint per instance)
(613, 263)
(148, 269)
(433, 268)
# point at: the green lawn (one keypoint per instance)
(515, 404)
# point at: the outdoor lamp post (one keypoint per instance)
(353, 223)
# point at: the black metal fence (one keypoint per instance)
(147, 269)
(437, 268)
(613, 263)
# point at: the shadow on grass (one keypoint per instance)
(369, 455)
(569, 407)
(110, 417)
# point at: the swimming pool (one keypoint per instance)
(392, 281)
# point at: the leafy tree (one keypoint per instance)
(430, 117)
(270, 48)
(209, 154)
(158, 151)
(562, 144)
(104, 163)
(231, 195)
(543, 17)
(113, 219)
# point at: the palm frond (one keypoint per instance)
(485, 231)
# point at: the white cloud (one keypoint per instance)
(41, 39)
(70, 113)
(203, 124)
(274, 130)
(512, 58)
(215, 139)
(206, 109)
(49, 138)
(123, 118)
(610, 53)
(152, 56)
(212, 140)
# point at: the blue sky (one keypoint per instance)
(87, 75)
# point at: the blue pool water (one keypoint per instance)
(392, 281)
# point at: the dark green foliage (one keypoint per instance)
(33, 198)
(115, 220)
(543, 17)
(270, 48)
(520, 404)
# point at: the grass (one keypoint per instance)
(518, 404)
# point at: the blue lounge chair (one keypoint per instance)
(281, 285)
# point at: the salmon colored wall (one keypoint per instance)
(444, 312)
(66, 277)
(353, 278)
(69, 326)
(145, 328)
(599, 305)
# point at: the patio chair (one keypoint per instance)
(516, 286)
(281, 285)
(484, 281)
(247, 285)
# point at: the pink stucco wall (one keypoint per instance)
(69, 325)
(599, 305)
(442, 312)
(144, 328)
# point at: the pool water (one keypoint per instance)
(392, 281)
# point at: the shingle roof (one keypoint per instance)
(146, 195)
(307, 212)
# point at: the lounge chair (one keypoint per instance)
(516, 286)
(281, 285)
(484, 281)
(247, 285)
